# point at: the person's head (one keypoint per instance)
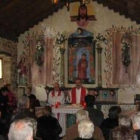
(114, 112)
(56, 86)
(23, 102)
(136, 121)
(83, 56)
(47, 111)
(4, 91)
(29, 90)
(78, 83)
(8, 86)
(89, 99)
(82, 12)
(124, 120)
(21, 130)
(81, 115)
(85, 129)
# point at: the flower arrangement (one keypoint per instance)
(101, 38)
(60, 38)
(126, 53)
(39, 53)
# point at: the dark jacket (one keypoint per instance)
(32, 97)
(137, 132)
(3, 105)
(95, 115)
(107, 125)
(21, 114)
(48, 128)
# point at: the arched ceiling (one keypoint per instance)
(17, 16)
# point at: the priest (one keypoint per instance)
(78, 93)
(56, 96)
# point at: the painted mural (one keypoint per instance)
(43, 57)
(118, 72)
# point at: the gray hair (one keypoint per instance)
(23, 102)
(85, 129)
(124, 120)
(136, 120)
(82, 115)
(21, 130)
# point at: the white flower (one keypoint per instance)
(19, 70)
(39, 48)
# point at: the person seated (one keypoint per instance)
(56, 96)
(11, 97)
(48, 127)
(23, 109)
(22, 129)
(78, 93)
(85, 130)
(72, 131)
(4, 101)
(29, 94)
(136, 124)
(110, 123)
(95, 115)
(123, 131)
(3, 128)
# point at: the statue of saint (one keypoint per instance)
(22, 69)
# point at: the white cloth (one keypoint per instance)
(53, 99)
(78, 95)
(64, 110)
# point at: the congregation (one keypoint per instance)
(18, 120)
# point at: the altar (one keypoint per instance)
(60, 113)
(62, 117)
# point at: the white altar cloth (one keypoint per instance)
(62, 111)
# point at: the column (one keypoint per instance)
(99, 50)
(62, 50)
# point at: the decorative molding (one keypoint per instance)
(108, 55)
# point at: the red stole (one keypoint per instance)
(53, 93)
(83, 94)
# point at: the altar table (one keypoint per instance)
(63, 111)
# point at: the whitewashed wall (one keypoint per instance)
(105, 19)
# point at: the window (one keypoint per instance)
(0, 68)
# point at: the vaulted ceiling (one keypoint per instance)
(17, 16)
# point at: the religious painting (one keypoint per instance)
(82, 14)
(81, 58)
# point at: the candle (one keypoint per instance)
(84, 105)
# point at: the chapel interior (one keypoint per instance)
(44, 41)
